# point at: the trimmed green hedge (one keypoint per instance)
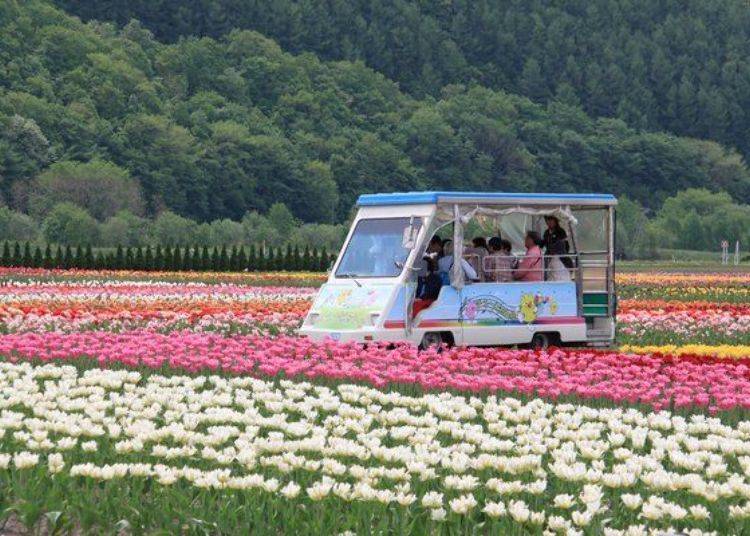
(217, 259)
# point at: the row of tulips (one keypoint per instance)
(629, 281)
(684, 279)
(121, 305)
(243, 456)
(689, 287)
(673, 306)
(720, 351)
(298, 279)
(654, 380)
(161, 307)
(708, 326)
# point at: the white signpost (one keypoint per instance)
(725, 252)
(737, 253)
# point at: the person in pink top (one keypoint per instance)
(531, 265)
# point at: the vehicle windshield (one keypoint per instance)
(375, 249)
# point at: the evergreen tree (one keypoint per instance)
(223, 260)
(158, 258)
(205, 263)
(103, 260)
(38, 259)
(306, 264)
(532, 82)
(17, 255)
(59, 258)
(173, 256)
(148, 259)
(119, 261)
(296, 259)
(48, 261)
(187, 259)
(288, 260)
(233, 260)
(68, 260)
(169, 253)
(7, 258)
(252, 259)
(79, 260)
(214, 259)
(241, 259)
(323, 267)
(89, 257)
(138, 260)
(197, 258)
(129, 263)
(270, 263)
(27, 259)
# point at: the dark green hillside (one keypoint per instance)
(214, 128)
(674, 65)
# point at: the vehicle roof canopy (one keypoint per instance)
(484, 198)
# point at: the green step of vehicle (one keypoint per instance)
(595, 304)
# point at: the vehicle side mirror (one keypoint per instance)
(409, 238)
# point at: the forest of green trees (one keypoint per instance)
(677, 65)
(214, 115)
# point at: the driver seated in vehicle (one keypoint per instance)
(445, 264)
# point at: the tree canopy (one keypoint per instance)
(215, 125)
(675, 65)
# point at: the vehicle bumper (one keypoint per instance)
(357, 335)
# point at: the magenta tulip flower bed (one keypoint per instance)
(658, 381)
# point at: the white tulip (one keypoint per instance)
(494, 509)
(438, 514)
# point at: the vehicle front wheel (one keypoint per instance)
(432, 339)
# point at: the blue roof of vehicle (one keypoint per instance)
(429, 198)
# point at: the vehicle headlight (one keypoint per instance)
(374, 318)
(312, 318)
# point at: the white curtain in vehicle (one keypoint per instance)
(515, 233)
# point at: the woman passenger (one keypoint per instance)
(554, 233)
(531, 265)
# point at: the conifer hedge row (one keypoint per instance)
(202, 259)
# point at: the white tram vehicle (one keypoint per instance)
(376, 288)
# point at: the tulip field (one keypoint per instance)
(144, 403)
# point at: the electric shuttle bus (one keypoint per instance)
(383, 286)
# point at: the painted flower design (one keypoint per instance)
(471, 310)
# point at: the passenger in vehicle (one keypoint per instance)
(475, 254)
(531, 265)
(479, 242)
(428, 278)
(556, 269)
(434, 251)
(498, 265)
(556, 240)
(445, 263)
(554, 233)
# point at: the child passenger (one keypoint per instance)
(498, 265)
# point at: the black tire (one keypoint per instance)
(540, 341)
(432, 339)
